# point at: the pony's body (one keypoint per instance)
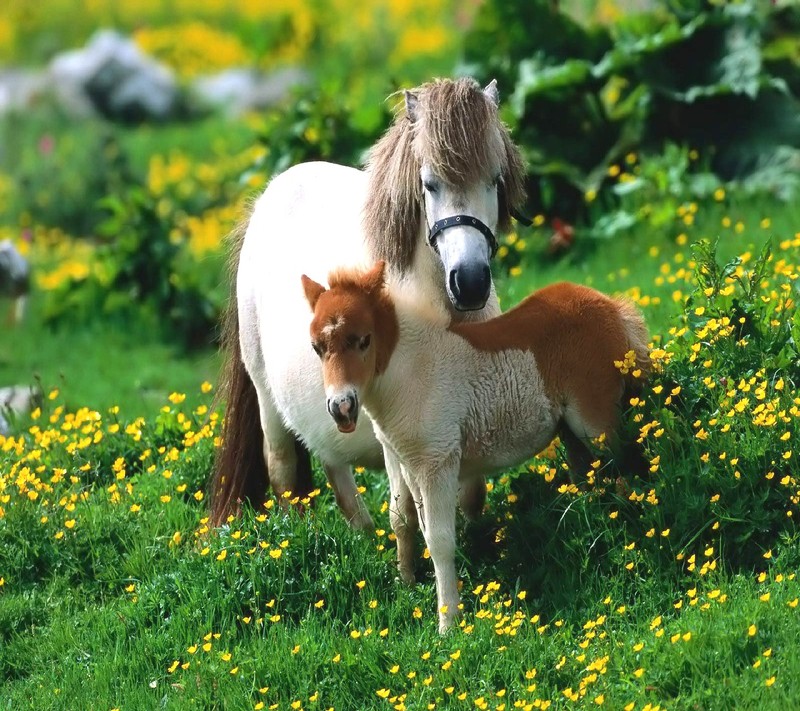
(451, 402)
(276, 351)
(447, 154)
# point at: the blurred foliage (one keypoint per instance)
(320, 123)
(624, 118)
(716, 76)
(141, 274)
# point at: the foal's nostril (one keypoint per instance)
(343, 407)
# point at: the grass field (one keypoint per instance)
(672, 591)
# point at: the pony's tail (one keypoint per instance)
(240, 470)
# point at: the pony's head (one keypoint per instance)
(354, 331)
(447, 174)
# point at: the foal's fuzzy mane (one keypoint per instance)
(403, 302)
(455, 131)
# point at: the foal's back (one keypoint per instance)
(575, 334)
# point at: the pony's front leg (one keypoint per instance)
(347, 496)
(438, 489)
(402, 516)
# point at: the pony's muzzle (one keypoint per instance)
(469, 286)
(344, 410)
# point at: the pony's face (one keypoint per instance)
(465, 251)
(343, 336)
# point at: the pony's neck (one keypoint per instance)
(426, 280)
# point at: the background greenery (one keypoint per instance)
(661, 140)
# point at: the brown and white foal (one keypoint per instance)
(450, 402)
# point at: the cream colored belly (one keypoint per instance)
(511, 419)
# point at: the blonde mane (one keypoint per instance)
(458, 133)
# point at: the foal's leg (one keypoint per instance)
(438, 488)
(347, 496)
(402, 516)
(472, 497)
(579, 456)
(594, 412)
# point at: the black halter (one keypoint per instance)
(462, 221)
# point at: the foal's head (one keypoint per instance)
(354, 331)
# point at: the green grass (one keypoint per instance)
(103, 365)
(685, 598)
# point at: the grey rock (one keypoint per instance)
(237, 91)
(16, 401)
(112, 77)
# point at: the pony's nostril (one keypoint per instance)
(454, 283)
(470, 286)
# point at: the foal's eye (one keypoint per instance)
(364, 342)
(317, 348)
(429, 186)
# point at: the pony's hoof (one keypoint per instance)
(446, 625)
(362, 522)
(408, 577)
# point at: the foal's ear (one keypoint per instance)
(375, 278)
(312, 290)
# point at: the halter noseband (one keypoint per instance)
(462, 221)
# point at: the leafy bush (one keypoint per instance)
(320, 123)
(585, 97)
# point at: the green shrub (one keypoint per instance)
(584, 98)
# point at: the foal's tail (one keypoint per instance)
(638, 337)
(240, 471)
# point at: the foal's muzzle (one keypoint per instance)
(344, 410)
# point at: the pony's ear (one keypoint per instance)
(491, 92)
(375, 278)
(312, 290)
(412, 105)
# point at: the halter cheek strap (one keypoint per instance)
(462, 221)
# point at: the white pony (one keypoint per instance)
(441, 181)
(451, 403)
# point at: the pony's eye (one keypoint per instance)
(317, 348)
(364, 342)
(429, 186)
